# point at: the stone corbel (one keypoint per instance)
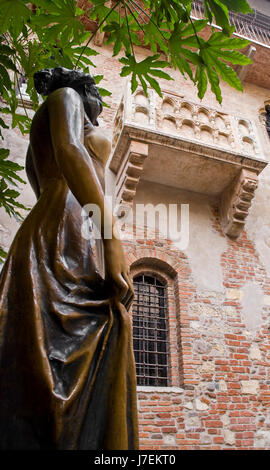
(235, 202)
(130, 172)
(242, 70)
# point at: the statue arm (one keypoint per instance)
(31, 174)
(66, 115)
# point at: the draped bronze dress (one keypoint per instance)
(67, 376)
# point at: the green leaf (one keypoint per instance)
(13, 15)
(58, 20)
(240, 6)
(221, 14)
(214, 82)
(104, 92)
(3, 124)
(227, 74)
(171, 10)
(201, 80)
(4, 78)
(155, 37)
(134, 83)
(4, 60)
(99, 11)
(9, 169)
(120, 34)
(143, 70)
(198, 25)
(220, 40)
(234, 57)
(98, 78)
(179, 53)
(3, 255)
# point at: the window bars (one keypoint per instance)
(150, 331)
(267, 119)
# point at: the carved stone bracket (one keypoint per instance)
(242, 70)
(130, 172)
(236, 201)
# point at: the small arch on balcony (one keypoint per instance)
(187, 128)
(118, 120)
(243, 127)
(168, 105)
(223, 139)
(186, 110)
(169, 123)
(248, 144)
(206, 134)
(115, 139)
(220, 122)
(121, 107)
(203, 115)
(141, 99)
(141, 115)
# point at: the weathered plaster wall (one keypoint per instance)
(258, 221)
(205, 245)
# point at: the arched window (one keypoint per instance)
(267, 119)
(150, 331)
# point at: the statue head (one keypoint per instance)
(48, 80)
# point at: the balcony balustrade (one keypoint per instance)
(186, 145)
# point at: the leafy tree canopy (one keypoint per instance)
(48, 33)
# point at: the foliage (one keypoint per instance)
(8, 196)
(47, 33)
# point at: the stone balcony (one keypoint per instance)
(178, 143)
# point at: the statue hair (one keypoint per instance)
(48, 80)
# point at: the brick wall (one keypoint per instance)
(219, 394)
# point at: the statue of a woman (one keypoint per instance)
(67, 375)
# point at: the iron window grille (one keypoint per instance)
(267, 119)
(150, 331)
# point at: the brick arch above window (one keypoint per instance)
(168, 264)
(158, 267)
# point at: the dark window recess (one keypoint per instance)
(150, 331)
(267, 119)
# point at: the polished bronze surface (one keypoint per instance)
(67, 373)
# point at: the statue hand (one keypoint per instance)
(117, 271)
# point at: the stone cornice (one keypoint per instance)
(131, 132)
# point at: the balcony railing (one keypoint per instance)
(254, 26)
(179, 118)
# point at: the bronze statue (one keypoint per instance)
(67, 374)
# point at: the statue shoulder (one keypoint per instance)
(65, 95)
